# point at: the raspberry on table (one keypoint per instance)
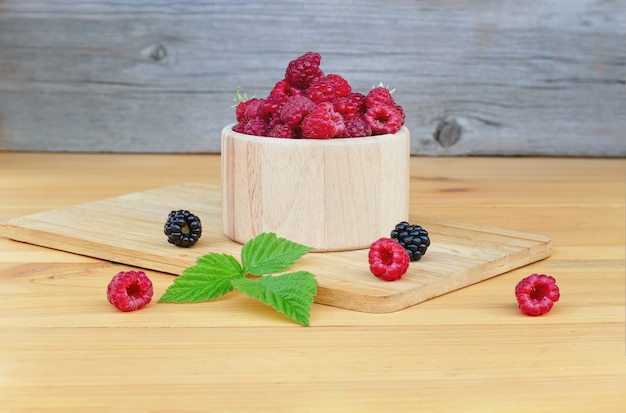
(388, 260)
(536, 294)
(323, 123)
(305, 70)
(130, 290)
(413, 238)
(182, 228)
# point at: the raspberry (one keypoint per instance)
(536, 294)
(356, 128)
(388, 259)
(295, 109)
(323, 122)
(321, 91)
(182, 228)
(130, 290)
(384, 119)
(305, 70)
(379, 95)
(281, 130)
(282, 87)
(248, 109)
(256, 127)
(350, 106)
(341, 85)
(270, 107)
(413, 238)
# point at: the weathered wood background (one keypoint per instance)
(481, 77)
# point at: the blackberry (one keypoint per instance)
(182, 228)
(413, 238)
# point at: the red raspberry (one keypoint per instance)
(130, 290)
(248, 109)
(256, 127)
(378, 95)
(350, 106)
(384, 119)
(282, 87)
(321, 91)
(356, 128)
(295, 109)
(270, 107)
(323, 123)
(341, 85)
(388, 259)
(304, 71)
(536, 294)
(281, 130)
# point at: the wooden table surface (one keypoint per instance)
(64, 348)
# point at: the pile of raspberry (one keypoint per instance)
(307, 103)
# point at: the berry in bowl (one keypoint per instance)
(315, 162)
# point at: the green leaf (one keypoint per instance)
(268, 254)
(290, 294)
(210, 278)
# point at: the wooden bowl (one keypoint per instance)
(332, 195)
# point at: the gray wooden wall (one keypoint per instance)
(481, 77)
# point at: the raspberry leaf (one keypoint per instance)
(290, 294)
(268, 254)
(210, 278)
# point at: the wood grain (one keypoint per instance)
(129, 230)
(541, 77)
(64, 348)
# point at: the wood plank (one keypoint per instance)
(544, 77)
(129, 229)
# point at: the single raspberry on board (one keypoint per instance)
(323, 123)
(536, 294)
(388, 260)
(384, 119)
(130, 290)
(305, 70)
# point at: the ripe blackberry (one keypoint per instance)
(413, 238)
(182, 228)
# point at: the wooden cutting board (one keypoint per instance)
(129, 229)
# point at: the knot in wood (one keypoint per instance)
(448, 132)
(159, 52)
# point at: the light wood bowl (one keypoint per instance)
(332, 195)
